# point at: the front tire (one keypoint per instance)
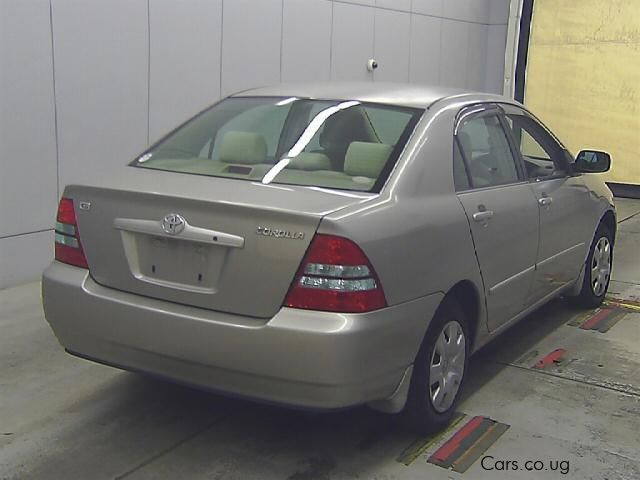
(439, 370)
(597, 274)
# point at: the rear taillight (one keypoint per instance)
(336, 276)
(68, 246)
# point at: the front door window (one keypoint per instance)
(543, 157)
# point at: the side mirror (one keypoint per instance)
(592, 161)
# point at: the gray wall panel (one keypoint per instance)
(306, 40)
(360, 2)
(499, 12)
(184, 63)
(352, 42)
(252, 33)
(454, 54)
(425, 49)
(476, 56)
(101, 62)
(28, 170)
(403, 5)
(428, 7)
(23, 258)
(467, 10)
(392, 45)
(494, 69)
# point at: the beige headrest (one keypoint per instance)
(310, 161)
(365, 159)
(243, 147)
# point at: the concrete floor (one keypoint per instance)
(61, 417)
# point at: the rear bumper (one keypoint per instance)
(302, 358)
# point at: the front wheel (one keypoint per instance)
(597, 272)
(439, 370)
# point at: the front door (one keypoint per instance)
(502, 213)
(561, 199)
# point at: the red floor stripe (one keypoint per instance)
(551, 358)
(454, 442)
(593, 321)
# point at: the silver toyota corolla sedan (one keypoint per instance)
(330, 245)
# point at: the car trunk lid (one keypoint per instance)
(220, 244)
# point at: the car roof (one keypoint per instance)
(408, 95)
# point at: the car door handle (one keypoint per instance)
(482, 216)
(545, 201)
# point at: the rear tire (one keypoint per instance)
(439, 370)
(597, 270)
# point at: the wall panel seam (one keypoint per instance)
(148, 71)
(374, 37)
(221, 45)
(55, 100)
(440, 54)
(281, 35)
(410, 42)
(331, 42)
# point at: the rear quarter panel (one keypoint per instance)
(416, 233)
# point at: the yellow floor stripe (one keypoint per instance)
(616, 302)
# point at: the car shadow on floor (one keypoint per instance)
(516, 342)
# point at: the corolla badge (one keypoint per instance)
(279, 233)
(173, 223)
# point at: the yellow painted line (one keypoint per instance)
(418, 447)
(623, 303)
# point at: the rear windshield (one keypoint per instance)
(336, 144)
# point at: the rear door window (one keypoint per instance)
(460, 176)
(486, 151)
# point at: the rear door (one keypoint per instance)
(501, 209)
(561, 198)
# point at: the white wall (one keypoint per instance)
(85, 85)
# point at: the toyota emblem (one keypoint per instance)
(173, 223)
